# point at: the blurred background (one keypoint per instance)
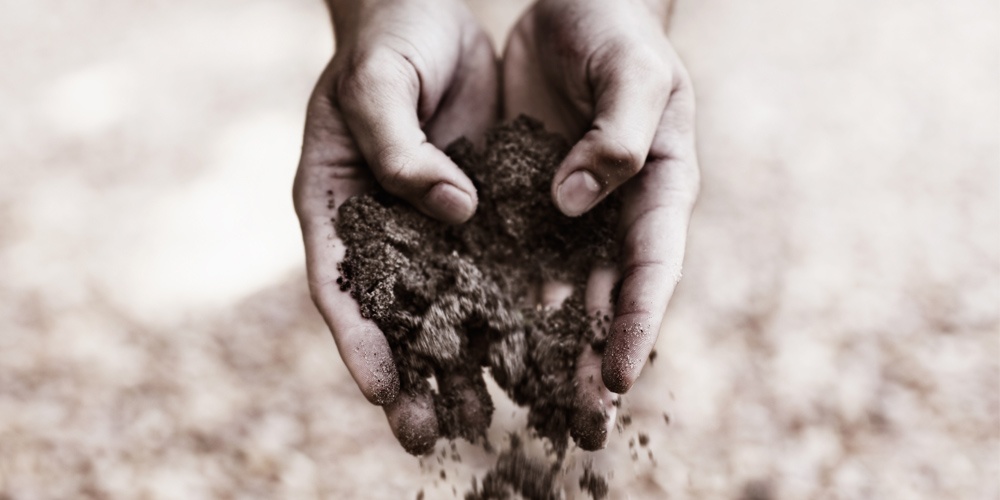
(836, 335)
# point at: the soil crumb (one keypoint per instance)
(453, 300)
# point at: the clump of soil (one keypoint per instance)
(454, 299)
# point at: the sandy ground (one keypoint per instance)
(835, 336)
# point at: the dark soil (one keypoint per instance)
(454, 299)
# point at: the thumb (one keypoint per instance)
(630, 95)
(379, 97)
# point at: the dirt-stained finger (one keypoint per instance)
(595, 404)
(330, 171)
(656, 212)
(464, 405)
(413, 422)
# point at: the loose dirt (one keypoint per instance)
(454, 299)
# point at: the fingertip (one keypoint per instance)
(615, 378)
(594, 418)
(413, 422)
(595, 407)
(622, 357)
(464, 406)
(577, 193)
(383, 386)
(589, 429)
(449, 203)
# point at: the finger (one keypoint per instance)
(471, 104)
(328, 174)
(467, 406)
(595, 404)
(379, 95)
(413, 422)
(630, 92)
(655, 214)
(362, 346)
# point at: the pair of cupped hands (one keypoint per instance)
(411, 76)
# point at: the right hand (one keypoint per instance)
(605, 75)
(408, 77)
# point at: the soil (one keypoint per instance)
(452, 300)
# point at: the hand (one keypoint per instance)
(605, 75)
(408, 77)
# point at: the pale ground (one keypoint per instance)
(835, 336)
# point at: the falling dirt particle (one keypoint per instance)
(443, 475)
(420, 496)
(643, 439)
(652, 356)
(666, 419)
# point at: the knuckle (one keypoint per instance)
(393, 170)
(364, 70)
(622, 161)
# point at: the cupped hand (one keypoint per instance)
(408, 77)
(605, 74)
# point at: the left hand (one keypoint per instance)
(408, 78)
(605, 75)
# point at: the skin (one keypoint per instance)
(410, 76)
(605, 75)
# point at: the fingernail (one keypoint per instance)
(447, 203)
(577, 193)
